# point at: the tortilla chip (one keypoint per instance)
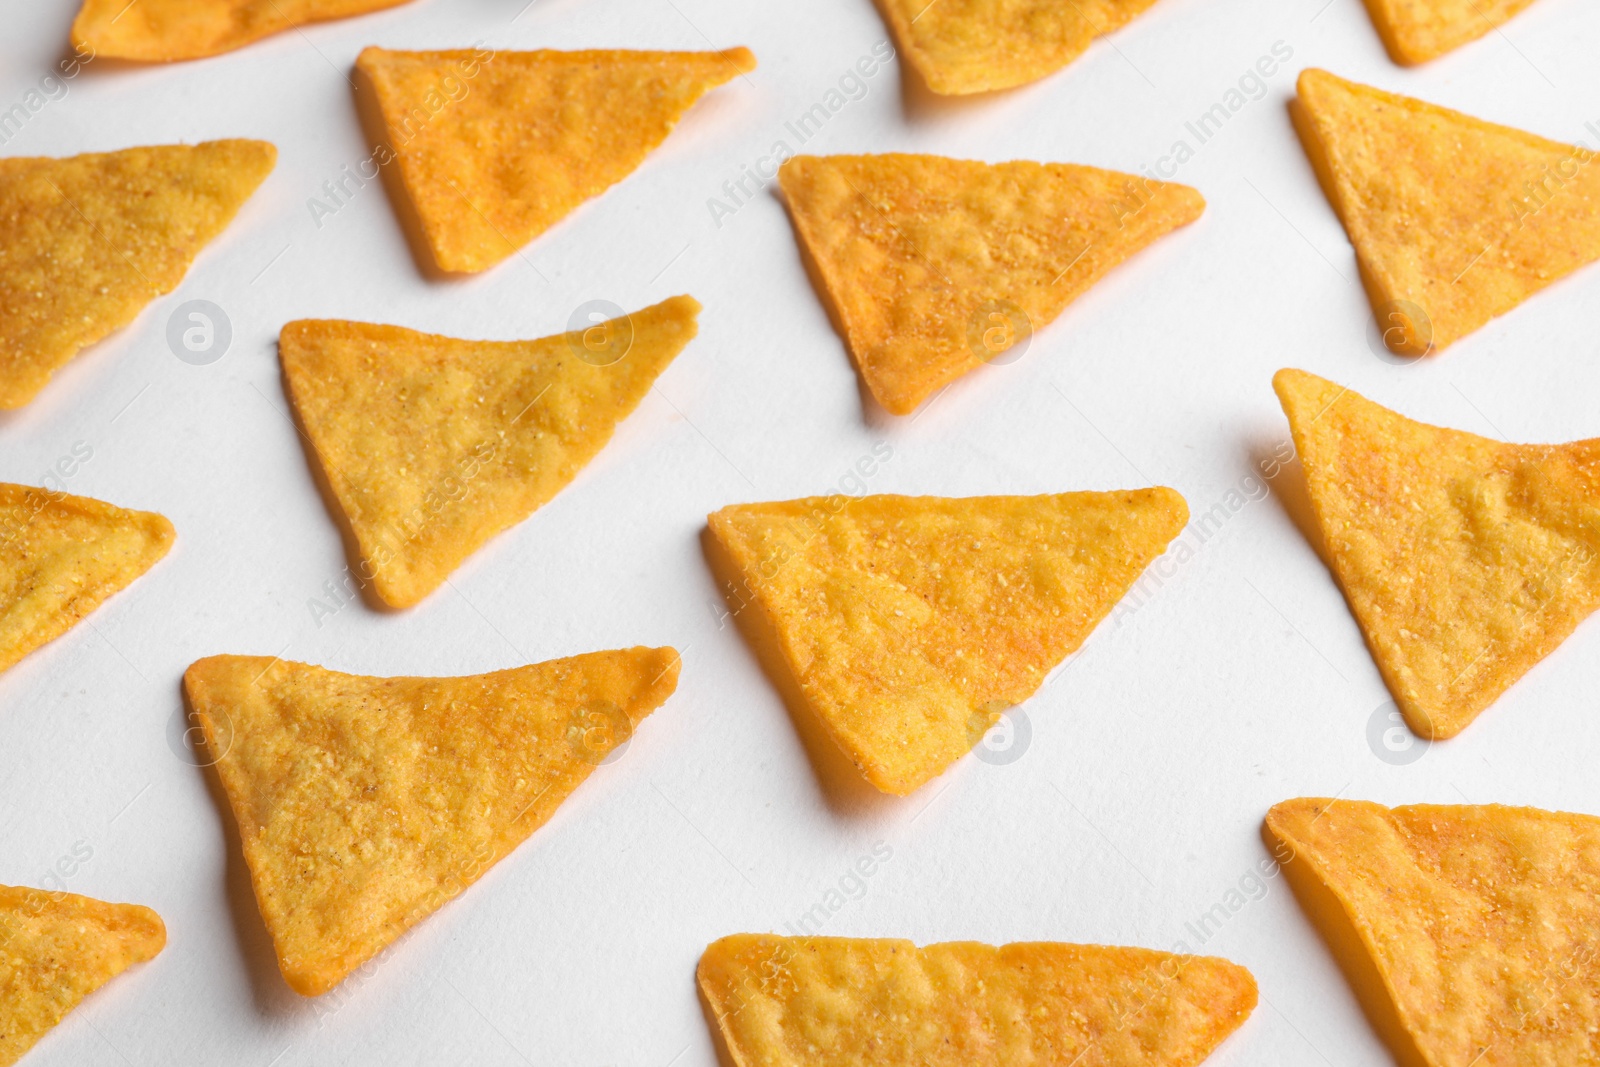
(60, 557)
(855, 1002)
(1454, 220)
(159, 31)
(365, 804)
(432, 446)
(87, 242)
(973, 46)
(56, 949)
(1466, 931)
(1465, 560)
(905, 626)
(1415, 31)
(923, 258)
(494, 151)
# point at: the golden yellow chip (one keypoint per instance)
(905, 626)
(973, 46)
(857, 1002)
(1465, 560)
(364, 804)
(159, 31)
(1454, 220)
(1467, 932)
(936, 266)
(495, 148)
(432, 446)
(1415, 31)
(87, 242)
(60, 557)
(56, 949)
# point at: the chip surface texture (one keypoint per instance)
(1415, 31)
(161, 31)
(56, 949)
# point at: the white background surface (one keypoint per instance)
(1154, 753)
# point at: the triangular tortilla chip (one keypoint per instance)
(849, 1002)
(56, 949)
(432, 446)
(60, 557)
(492, 161)
(973, 46)
(159, 31)
(1415, 31)
(923, 258)
(906, 625)
(1454, 220)
(87, 242)
(1467, 932)
(1465, 560)
(365, 804)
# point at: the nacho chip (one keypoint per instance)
(1454, 220)
(973, 46)
(432, 446)
(1466, 932)
(56, 949)
(905, 626)
(849, 1002)
(60, 557)
(1465, 560)
(87, 242)
(1415, 31)
(159, 31)
(365, 804)
(935, 266)
(494, 151)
